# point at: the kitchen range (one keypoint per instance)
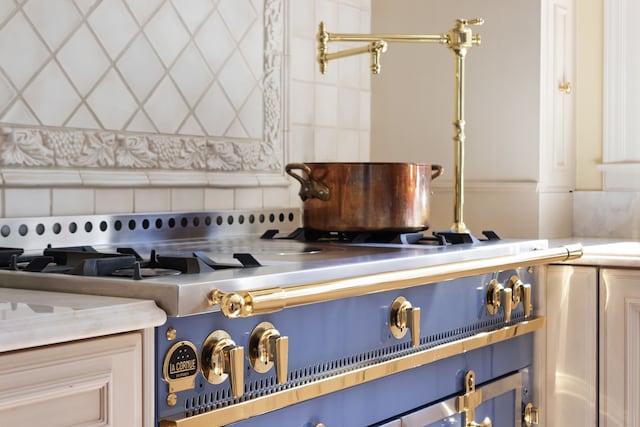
(270, 324)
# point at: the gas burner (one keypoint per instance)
(438, 238)
(125, 262)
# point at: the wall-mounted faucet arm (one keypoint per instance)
(459, 40)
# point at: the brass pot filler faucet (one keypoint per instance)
(459, 39)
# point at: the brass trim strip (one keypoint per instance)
(253, 302)
(324, 386)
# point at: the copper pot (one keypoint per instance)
(352, 197)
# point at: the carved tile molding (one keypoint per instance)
(37, 145)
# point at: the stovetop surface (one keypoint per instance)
(284, 262)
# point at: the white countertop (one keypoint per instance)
(605, 252)
(36, 318)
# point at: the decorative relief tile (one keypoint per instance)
(202, 79)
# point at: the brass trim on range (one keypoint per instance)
(247, 303)
(261, 405)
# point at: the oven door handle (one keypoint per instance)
(247, 303)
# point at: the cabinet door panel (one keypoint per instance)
(619, 347)
(88, 383)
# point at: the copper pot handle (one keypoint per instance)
(310, 188)
(436, 171)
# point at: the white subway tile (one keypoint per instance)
(276, 197)
(348, 145)
(301, 144)
(218, 198)
(72, 201)
(302, 109)
(27, 202)
(303, 59)
(303, 23)
(326, 145)
(348, 108)
(152, 200)
(111, 201)
(365, 146)
(365, 110)
(326, 105)
(248, 198)
(187, 199)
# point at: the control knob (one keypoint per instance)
(499, 296)
(266, 348)
(222, 358)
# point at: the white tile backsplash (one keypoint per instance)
(27, 202)
(23, 53)
(178, 68)
(152, 200)
(112, 201)
(72, 201)
(54, 20)
(83, 60)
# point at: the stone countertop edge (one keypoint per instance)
(37, 318)
(604, 252)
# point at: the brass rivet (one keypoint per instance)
(171, 334)
(172, 399)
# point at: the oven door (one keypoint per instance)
(499, 402)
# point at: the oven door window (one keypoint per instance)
(501, 403)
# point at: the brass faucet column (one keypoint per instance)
(459, 39)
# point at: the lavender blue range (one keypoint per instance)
(371, 347)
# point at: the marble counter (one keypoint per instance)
(37, 318)
(605, 252)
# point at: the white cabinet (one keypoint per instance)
(619, 347)
(567, 369)
(96, 382)
(588, 357)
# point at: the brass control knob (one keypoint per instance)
(520, 292)
(402, 317)
(222, 358)
(499, 296)
(531, 415)
(266, 348)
